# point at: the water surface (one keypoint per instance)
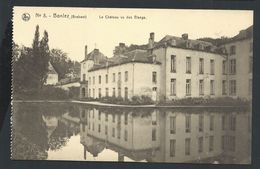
(56, 131)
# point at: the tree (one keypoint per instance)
(43, 59)
(31, 67)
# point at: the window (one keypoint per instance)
(173, 63)
(250, 87)
(187, 123)
(114, 117)
(114, 77)
(232, 123)
(172, 147)
(232, 49)
(89, 80)
(188, 64)
(94, 93)
(126, 135)
(99, 79)
(154, 134)
(250, 64)
(223, 122)
(118, 132)
(232, 69)
(89, 125)
(119, 76)
(211, 122)
(106, 130)
(201, 87)
(99, 115)
(201, 66)
(126, 119)
(126, 76)
(224, 67)
(212, 87)
(99, 92)
(84, 77)
(251, 47)
(83, 127)
(188, 87)
(99, 128)
(232, 90)
(93, 80)
(93, 126)
(106, 117)
(211, 143)
(114, 92)
(201, 123)
(106, 78)
(113, 132)
(172, 125)
(154, 78)
(224, 87)
(107, 92)
(187, 146)
(212, 67)
(200, 144)
(89, 91)
(173, 87)
(126, 93)
(119, 91)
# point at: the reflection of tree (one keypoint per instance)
(29, 133)
(23, 149)
(59, 137)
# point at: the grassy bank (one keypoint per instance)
(145, 100)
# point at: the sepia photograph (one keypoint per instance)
(132, 85)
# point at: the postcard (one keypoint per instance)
(132, 85)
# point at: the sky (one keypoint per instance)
(72, 34)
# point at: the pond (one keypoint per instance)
(80, 132)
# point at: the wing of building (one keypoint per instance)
(172, 68)
(52, 75)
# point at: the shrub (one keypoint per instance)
(45, 93)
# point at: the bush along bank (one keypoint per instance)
(221, 101)
(45, 93)
(146, 100)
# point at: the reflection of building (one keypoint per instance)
(167, 136)
(122, 132)
(52, 75)
(172, 68)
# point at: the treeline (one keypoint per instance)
(30, 64)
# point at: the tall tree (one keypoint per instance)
(43, 59)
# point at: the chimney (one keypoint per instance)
(96, 51)
(185, 36)
(86, 52)
(151, 41)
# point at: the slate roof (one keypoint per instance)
(243, 34)
(191, 44)
(95, 54)
(51, 69)
(137, 56)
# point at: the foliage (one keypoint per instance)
(31, 67)
(62, 64)
(135, 100)
(223, 101)
(217, 41)
(73, 92)
(45, 93)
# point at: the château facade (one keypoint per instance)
(172, 68)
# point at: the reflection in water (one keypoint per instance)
(74, 132)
